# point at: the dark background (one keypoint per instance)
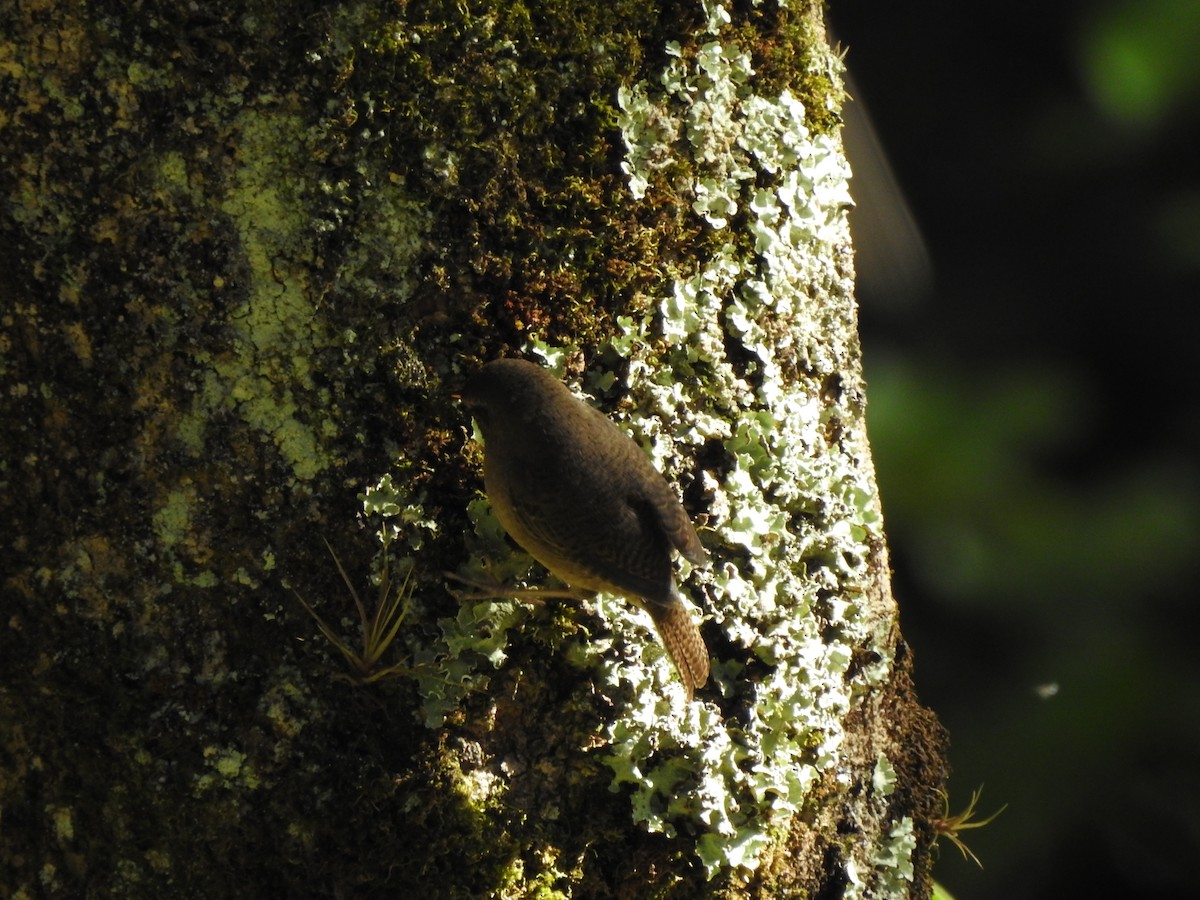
(1034, 419)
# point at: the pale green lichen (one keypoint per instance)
(793, 515)
(381, 266)
(264, 373)
(398, 514)
(884, 779)
(274, 332)
(446, 668)
(884, 869)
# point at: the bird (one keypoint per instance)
(583, 499)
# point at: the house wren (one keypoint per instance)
(584, 500)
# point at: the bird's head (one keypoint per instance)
(505, 392)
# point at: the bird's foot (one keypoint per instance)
(494, 590)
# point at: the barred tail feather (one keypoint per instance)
(684, 644)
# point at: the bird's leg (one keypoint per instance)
(492, 590)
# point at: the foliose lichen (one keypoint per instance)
(883, 868)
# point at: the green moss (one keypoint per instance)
(508, 154)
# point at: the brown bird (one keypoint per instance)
(584, 500)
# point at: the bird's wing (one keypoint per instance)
(619, 547)
(660, 503)
(653, 499)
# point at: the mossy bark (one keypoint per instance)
(248, 252)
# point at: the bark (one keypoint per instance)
(250, 251)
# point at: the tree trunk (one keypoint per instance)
(249, 255)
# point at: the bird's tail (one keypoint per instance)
(684, 644)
